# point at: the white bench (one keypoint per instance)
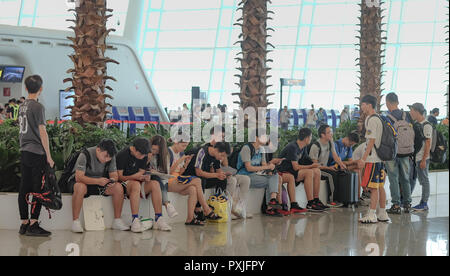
(62, 220)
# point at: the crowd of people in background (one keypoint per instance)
(10, 110)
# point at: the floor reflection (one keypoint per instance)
(334, 233)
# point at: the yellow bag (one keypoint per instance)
(221, 234)
(220, 206)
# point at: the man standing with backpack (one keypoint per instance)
(35, 154)
(374, 169)
(398, 169)
(422, 158)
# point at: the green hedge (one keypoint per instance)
(70, 137)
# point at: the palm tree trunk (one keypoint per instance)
(254, 72)
(89, 75)
(371, 54)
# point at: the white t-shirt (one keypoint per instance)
(374, 130)
(358, 153)
(176, 157)
(312, 118)
(324, 152)
(428, 133)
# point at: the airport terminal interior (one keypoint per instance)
(113, 84)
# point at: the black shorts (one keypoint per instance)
(95, 190)
(294, 173)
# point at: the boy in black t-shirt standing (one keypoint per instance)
(35, 154)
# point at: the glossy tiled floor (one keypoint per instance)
(334, 233)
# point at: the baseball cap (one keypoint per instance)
(418, 107)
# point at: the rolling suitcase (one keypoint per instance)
(346, 188)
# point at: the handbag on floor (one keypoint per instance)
(220, 205)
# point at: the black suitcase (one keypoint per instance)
(346, 188)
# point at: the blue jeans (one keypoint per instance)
(164, 188)
(398, 173)
(422, 175)
(270, 183)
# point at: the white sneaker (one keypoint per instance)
(370, 217)
(118, 224)
(383, 216)
(147, 223)
(136, 226)
(162, 225)
(76, 227)
(171, 212)
(233, 217)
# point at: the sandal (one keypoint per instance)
(195, 222)
(200, 216)
(213, 216)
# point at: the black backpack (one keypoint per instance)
(234, 157)
(389, 144)
(438, 147)
(50, 195)
(64, 182)
(69, 166)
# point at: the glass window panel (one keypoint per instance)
(214, 98)
(183, 60)
(227, 15)
(150, 39)
(184, 81)
(220, 59)
(10, 9)
(347, 81)
(156, 4)
(224, 36)
(439, 58)
(390, 56)
(419, 10)
(191, 4)
(326, 35)
(283, 36)
(307, 14)
(348, 58)
(189, 39)
(300, 60)
(413, 33)
(28, 7)
(323, 58)
(436, 100)
(414, 57)
(287, 16)
(394, 10)
(216, 80)
(331, 14)
(318, 99)
(304, 35)
(147, 59)
(412, 80)
(342, 99)
(320, 80)
(392, 33)
(153, 20)
(190, 19)
(438, 81)
(173, 100)
(282, 58)
(387, 79)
